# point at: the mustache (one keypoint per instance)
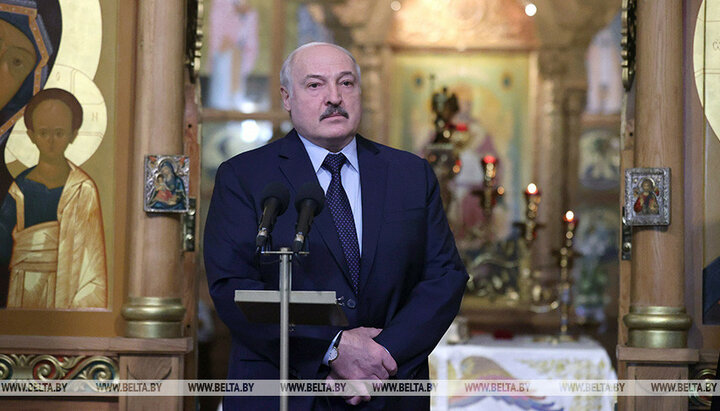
(332, 110)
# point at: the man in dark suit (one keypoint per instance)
(382, 242)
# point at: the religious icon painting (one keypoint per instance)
(647, 196)
(166, 183)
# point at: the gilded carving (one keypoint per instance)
(462, 24)
(52, 367)
(352, 13)
(195, 36)
(628, 42)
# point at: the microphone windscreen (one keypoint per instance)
(310, 191)
(279, 191)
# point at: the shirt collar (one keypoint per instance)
(317, 154)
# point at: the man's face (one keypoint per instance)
(17, 59)
(52, 129)
(325, 104)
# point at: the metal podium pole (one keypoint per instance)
(285, 284)
(261, 306)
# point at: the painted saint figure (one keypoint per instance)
(646, 202)
(51, 230)
(169, 190)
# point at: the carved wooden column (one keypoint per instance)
(364, 26)
(562, 96)
(575, 102)
(657, 316)
(565, 29)
(154, 308)
(551, 152)
(370, 59)
(657, 322)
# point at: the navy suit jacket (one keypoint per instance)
(411, 276)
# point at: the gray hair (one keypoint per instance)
(286, 70)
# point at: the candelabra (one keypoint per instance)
(502, 273)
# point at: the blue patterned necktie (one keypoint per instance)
(342, 214)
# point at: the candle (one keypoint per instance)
(570, 221)
(489, 165)
(532, 190)
(532, 196)
(457, 166)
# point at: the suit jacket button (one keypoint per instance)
(350, 303)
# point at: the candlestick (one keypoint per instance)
(489, 166)
(532, 197)
(489, 194)
(566, 257)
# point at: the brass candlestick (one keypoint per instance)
(529, 226)
(489, 194)
(566, 257)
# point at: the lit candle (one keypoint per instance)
(457, 166)
(489, 165)
(571, 222)
(532, 194)
(532, 197)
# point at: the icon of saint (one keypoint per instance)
(646, 198)
(51, 228)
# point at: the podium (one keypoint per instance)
(306, 307)
(296, 307)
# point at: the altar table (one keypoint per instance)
(521, 358)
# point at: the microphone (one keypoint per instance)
(309, 203)
(275, 201)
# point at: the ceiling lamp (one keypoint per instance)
(530, 8)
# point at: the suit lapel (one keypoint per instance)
(298, 170)
(373, 182)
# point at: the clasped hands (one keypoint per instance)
(361, 358)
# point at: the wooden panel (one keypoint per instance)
(657, 403)
(657, 355)
(144, 367)
(33, 344)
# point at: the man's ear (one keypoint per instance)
(74, 135)
(285, 98)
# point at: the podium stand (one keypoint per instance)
(298, 307)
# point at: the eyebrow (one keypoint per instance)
(320, 77)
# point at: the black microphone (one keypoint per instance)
(276, 198)
(309, 202)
